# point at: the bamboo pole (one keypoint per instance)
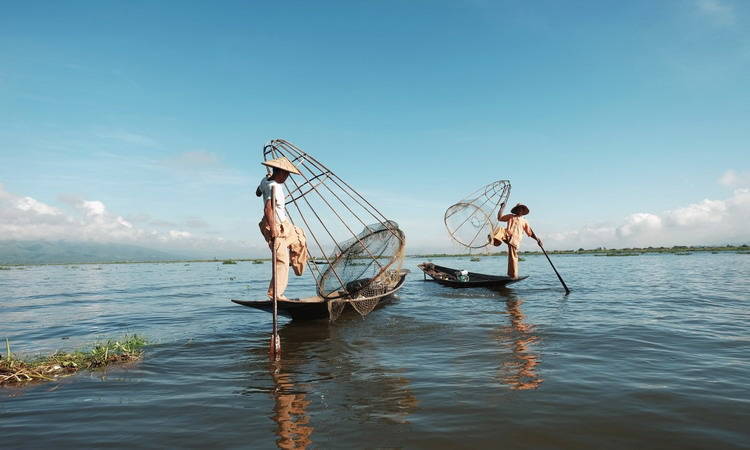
(567, 291)
(275, 347)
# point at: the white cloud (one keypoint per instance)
(29, 204)
(705, 213)
(179, 234)
(124, 222)
(639, 223)
(24, 218)
(708, 222)
(705, 222)
(733, 178)
(93, 208)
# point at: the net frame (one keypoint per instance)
(371, 234)
(482, 204)
(349, 210)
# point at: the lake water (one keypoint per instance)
(648, 351)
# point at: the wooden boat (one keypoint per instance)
(447, 277)
(315, 307)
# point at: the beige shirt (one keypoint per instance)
(516, 225)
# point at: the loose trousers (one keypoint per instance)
(500, 235)
(281, 263)
(512, 261)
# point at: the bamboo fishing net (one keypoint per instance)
(356, 253)
(471, 220)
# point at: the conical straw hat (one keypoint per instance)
(283, 164)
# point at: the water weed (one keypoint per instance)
(48, 368)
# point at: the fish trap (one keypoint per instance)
(471, 220)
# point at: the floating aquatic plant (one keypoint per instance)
(48, 368)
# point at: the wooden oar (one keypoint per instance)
(275, 347)
(567, 291)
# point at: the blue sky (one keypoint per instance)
(618, 123)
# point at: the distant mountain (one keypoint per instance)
(61, 252)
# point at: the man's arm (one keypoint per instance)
(500, 212)
(531, 233)
(270, 217)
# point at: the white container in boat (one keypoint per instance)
(462, 275)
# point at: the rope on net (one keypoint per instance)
(361, 251)
(471, 220)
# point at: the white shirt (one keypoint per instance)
(267, 186)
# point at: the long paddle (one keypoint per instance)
(275, 348)
(567, 291)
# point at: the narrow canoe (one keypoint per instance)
(447, 277)
(310, 308)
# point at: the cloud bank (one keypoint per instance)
(708, 222)
(25, 218)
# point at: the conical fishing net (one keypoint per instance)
(365, 263)
(471, 220)
(356, 253)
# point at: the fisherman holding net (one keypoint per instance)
(512, 234)
(275, 226)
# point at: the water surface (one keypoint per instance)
(648, 351)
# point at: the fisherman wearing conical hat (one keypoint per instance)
(275, 226)
(512, 234)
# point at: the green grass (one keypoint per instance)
(229, 261)
(14, 370)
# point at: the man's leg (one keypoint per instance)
(512, 261)
(282, 266)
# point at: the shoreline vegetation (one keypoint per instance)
(15, 370)
(601, 251)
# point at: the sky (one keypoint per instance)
(619, 124)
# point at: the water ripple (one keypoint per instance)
(647, 351)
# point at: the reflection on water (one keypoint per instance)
(322, 366)
(290, 402)
(520, 371)
(293, 422)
